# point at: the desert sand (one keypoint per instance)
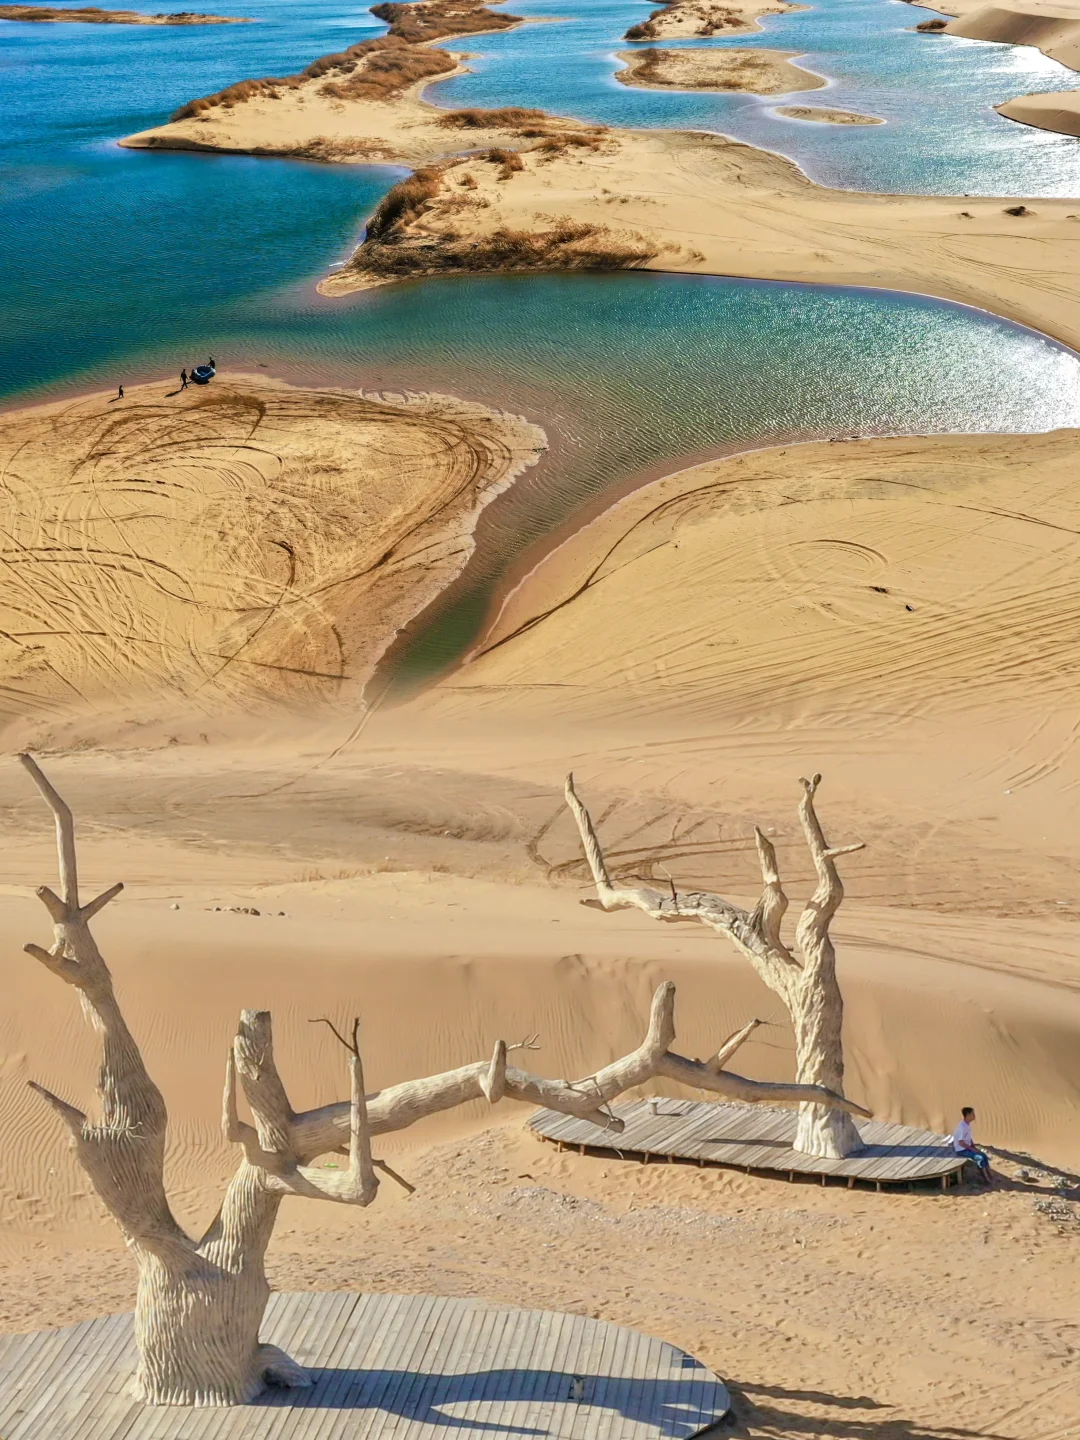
(253, 542)
(92, 15)
(826, 115)
(580, 195)
(899, 614)
(761, 72)
(737, 624)
(688, 19)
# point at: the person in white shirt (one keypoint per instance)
(963, 1142)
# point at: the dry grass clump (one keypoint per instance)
(387, 71)
(372, 70)
(568, 245)
(716, 18)
(508, 161)
(514, 118)
(436, 19)
(402, 204)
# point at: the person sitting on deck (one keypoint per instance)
(964, 1144)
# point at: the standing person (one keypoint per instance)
(183, 379)
(119, 392)
(964, 1144)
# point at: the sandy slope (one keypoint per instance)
(698, 202)
(1052, 26)
(760, 72)
(246, 542)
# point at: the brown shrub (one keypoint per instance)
(510, 117)
(403, 203)
(568, 245)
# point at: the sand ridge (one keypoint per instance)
(761, 72)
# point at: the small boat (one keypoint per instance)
(203, 374)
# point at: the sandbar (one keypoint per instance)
(824, 115)
(760, 72)
(256, 544)
(93, 15)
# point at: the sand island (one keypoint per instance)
(290, 570)
(92, 15)
(826, 115)
(687, 19)
(761, 72)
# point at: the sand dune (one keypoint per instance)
(739, 623)
(248, 542)
(761, 72)
(1052, 26)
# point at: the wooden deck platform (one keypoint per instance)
(755, 1137)
(388, 1367)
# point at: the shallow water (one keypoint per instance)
(120, 265)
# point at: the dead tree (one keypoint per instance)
(804, 979)
(201, 1301)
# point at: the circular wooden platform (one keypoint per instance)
(387, 1367)
(756, 1137)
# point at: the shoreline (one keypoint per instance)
(695, 202)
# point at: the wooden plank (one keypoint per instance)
(760, 1138)
(394, 1368)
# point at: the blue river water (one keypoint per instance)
(124, 265)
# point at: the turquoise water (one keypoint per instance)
(121, 265)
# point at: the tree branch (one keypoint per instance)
(730, 1045)
(123, 1156)
(773, 962)
(813, 929)
(318, 1132)
(65, 832)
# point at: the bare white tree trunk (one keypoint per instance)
(805, 979)
(201, 1302)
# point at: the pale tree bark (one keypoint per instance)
(804, 978)
(201, 1300)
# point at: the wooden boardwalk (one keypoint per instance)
(387, 1367)
(755, 1137)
